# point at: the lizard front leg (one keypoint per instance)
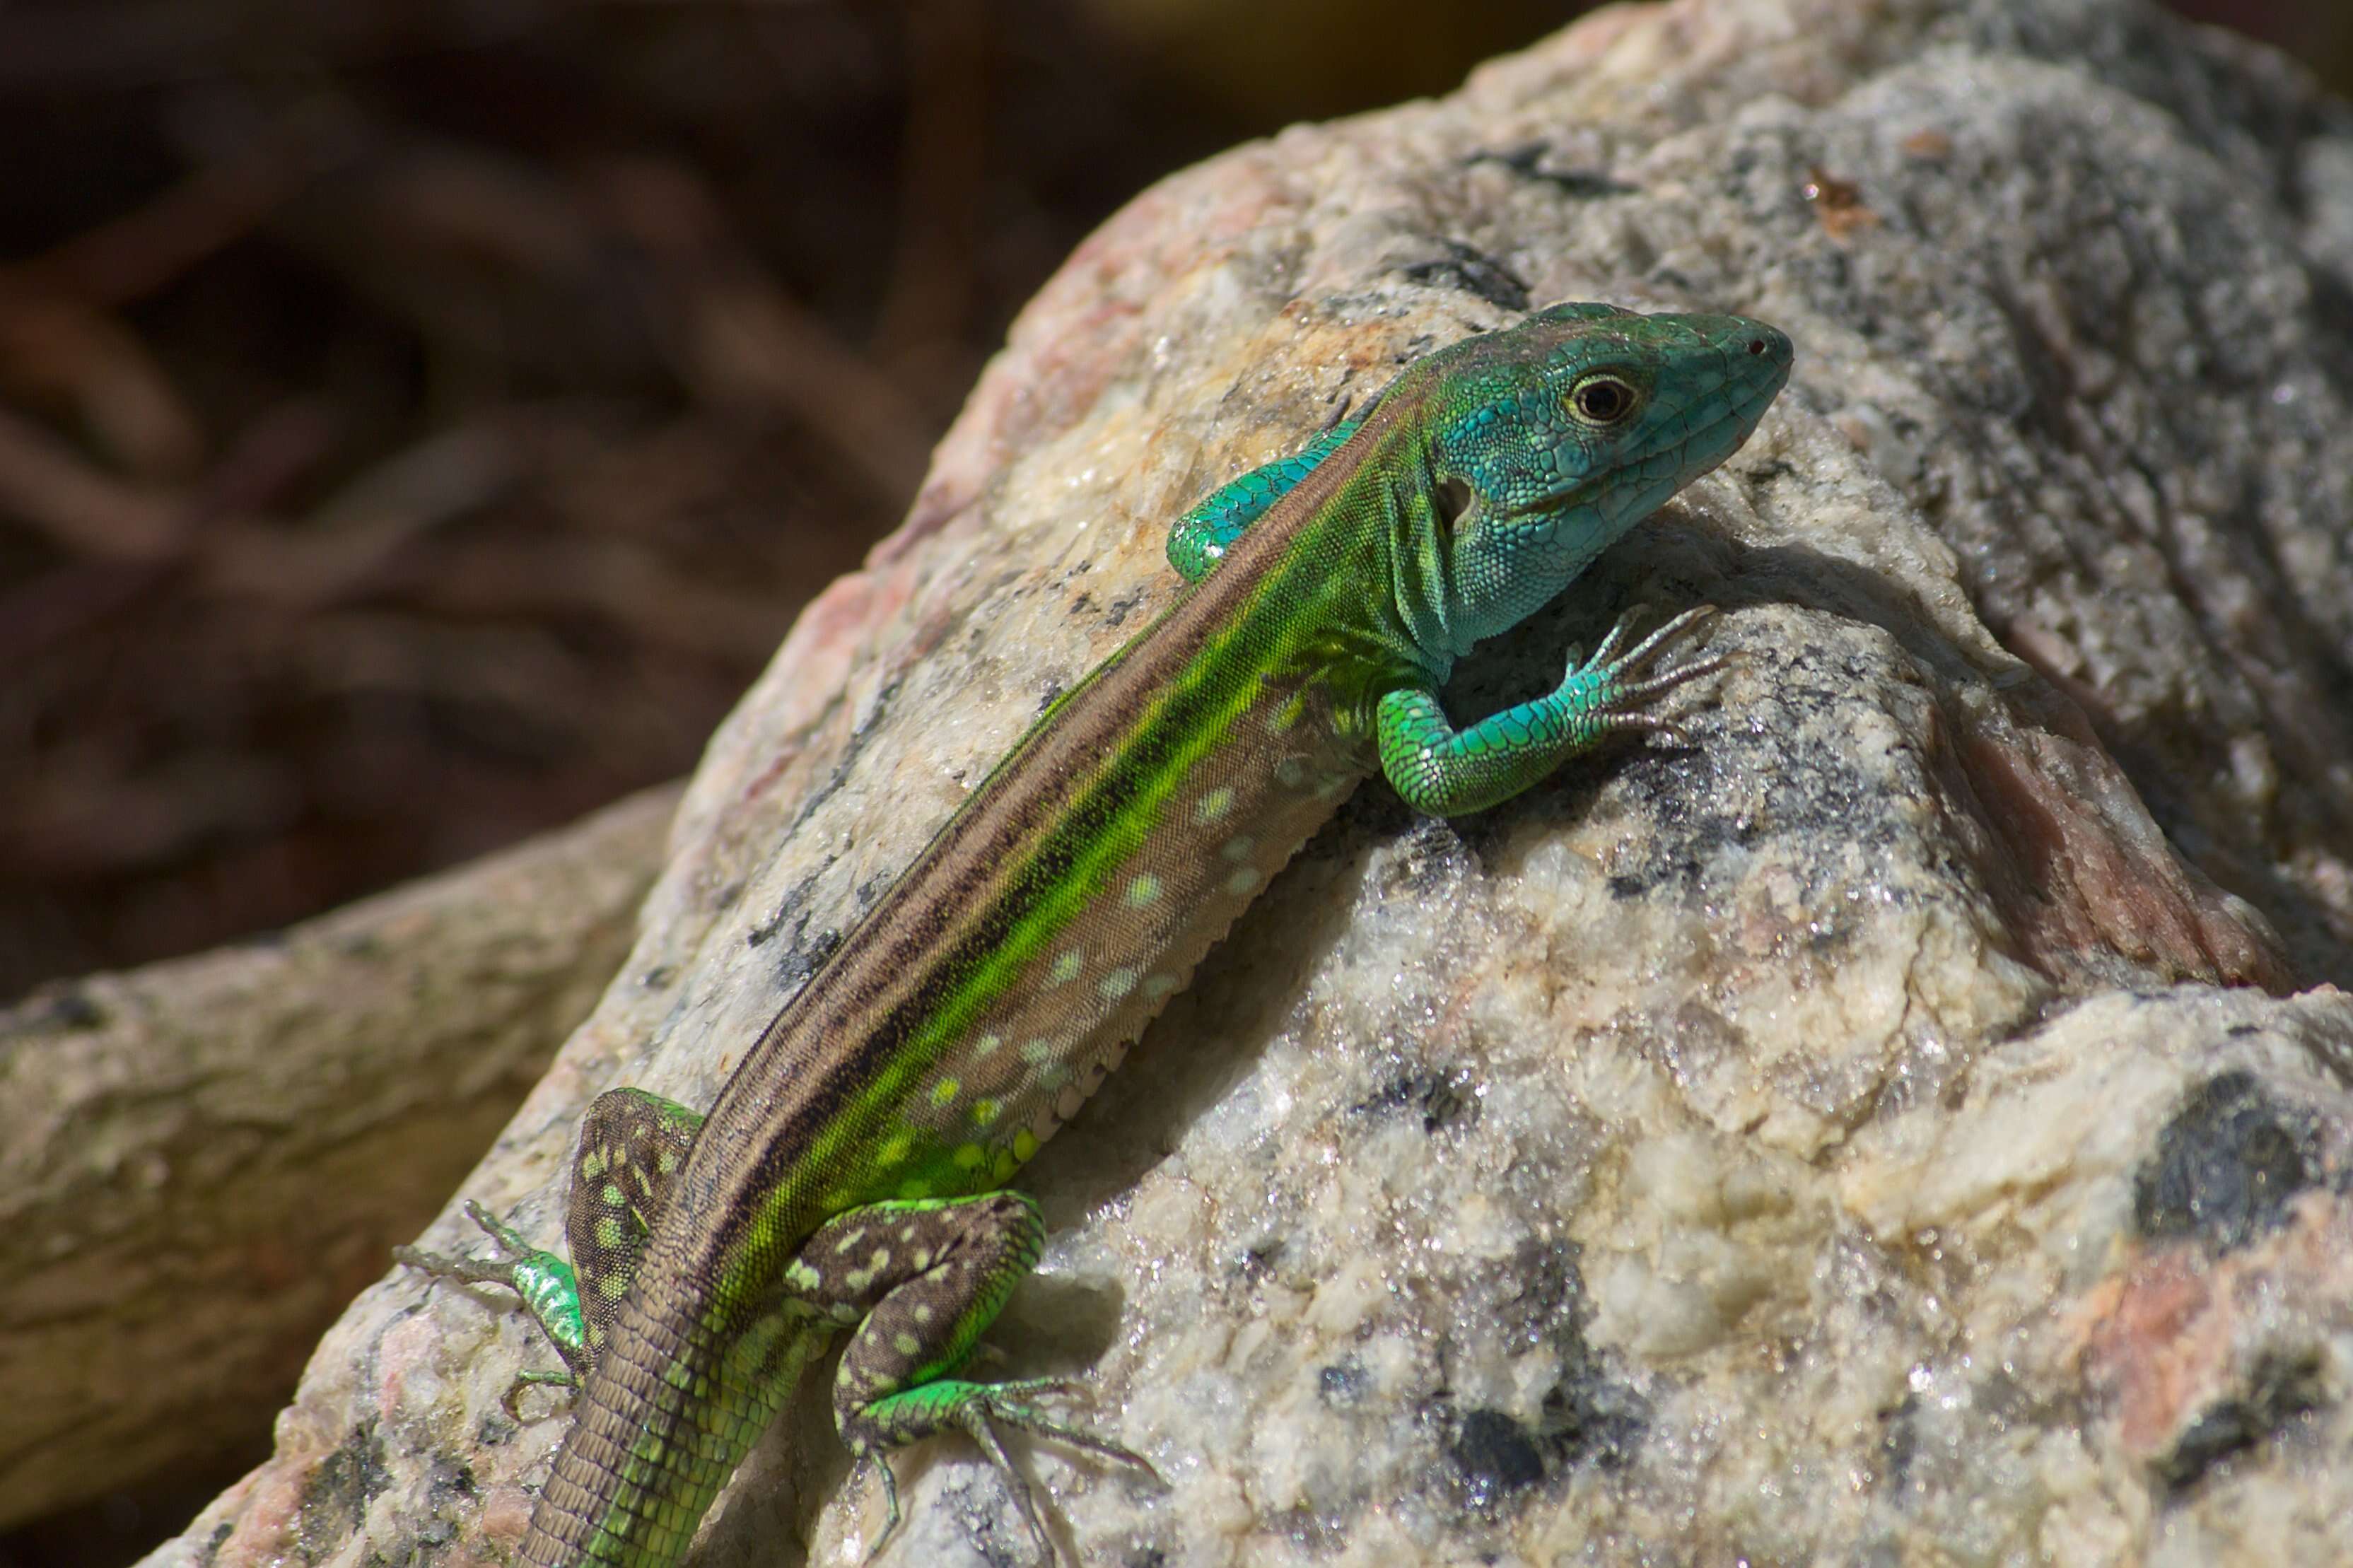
(1200, 539)
(1445, 771)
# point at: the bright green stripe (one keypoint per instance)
(1295, 608)
(1287, 612)
(1227, 672)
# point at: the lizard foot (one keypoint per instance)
(545, 1281)
(977, 1409)
(1618, 703)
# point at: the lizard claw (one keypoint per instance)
(1624, 707)
(497, 1267)
(978, 1412)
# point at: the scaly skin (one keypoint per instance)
(847, 1177)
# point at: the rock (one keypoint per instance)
(1889, 1129)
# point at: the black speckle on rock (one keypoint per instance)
(2225, 1165)
(1899, 1440)
(1590, 1418)
(804, 957)
(1584, 184)
(336, 1495)
(1258, 1261)
(1587, 1417)
(1494, 1456)
(1445, 1100)
(2282, 1388)
(1472, 272)
(1343, 1383)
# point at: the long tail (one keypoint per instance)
(670, 1411)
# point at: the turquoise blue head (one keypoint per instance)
(1554, 437)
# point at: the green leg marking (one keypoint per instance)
(1444, 771)
(631, 1143)
(1200, 539)
(926, 1276)
(550, 1294)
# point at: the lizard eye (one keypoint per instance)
(1601, 400)
(1453, 498)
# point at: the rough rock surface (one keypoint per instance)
(1889, 1131)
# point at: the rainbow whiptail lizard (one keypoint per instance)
(852, 1174)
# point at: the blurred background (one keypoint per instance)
(419, 419)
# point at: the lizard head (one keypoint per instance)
(1552, 438)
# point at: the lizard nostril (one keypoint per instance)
(1757, 345)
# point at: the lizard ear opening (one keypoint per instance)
(1453, 496)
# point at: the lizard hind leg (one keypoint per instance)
(923, 1278)
(632, 1144)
